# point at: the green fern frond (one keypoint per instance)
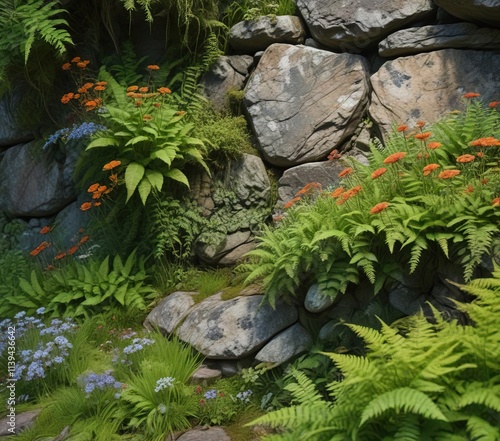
(403, 399)
(304, 390)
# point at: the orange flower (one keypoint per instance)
(76, 60)
(334, 154)
(496, 202)
(336, 193)
(308, 187)
(138, 103)
(379, 172)
(86, 206)
(90, 104)
(76, 96)
(101, 83)
(40, 248)
(429, 168)
(379, 207)
(66, 66)
(291, 202)
(395, 157)
(469, 189)
(46, 230)
(423, 136)
(480, 154)
(434, 145)
(35, 252)
(99, 88)
(60, 255)
(493, 104)
(96, 195)
(448, 174)
(153, 67)
(157, 105)
(113, 178)
(102, 188)
(93, 187)
(81, 65)
(96, 204)
(485, 142)
(84, 239)
(111, 165)
(73, 250)
(143, 89)
(132, 88)
(471, 95)
(164, 90)
(346, 172)
(402, 128)
(466, 158)
(349, 194)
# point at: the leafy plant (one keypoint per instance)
(419, 380)
(80, 288)
(415, 200)
(251, 10)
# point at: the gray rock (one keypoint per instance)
(10, 132)
(237, 254)
(351, 26)
(316, 301)
(428, 86)
(406, 300)
(170, 312)
(251, 36)
(234, 328)
(486, 11)
(219, 80)
(31, 184)
(206, 376)
(286, 345)
(241, 63)
(249, 180)
(19, 422)
(446, 36)
(325, 173)
(303, 102)
(205, 434)
(224, 247)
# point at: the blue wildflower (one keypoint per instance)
(162, 408)
(40, 311)
(244, 396)
(211, 394)
(164, 383)
(20, 315)
(85, 129)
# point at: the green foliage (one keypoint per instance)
(419, 380)
(379, 226)
(151, 141)
(81, 288)
(251, 10)
(206, 283)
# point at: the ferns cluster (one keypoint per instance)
(419, 380)
(416, 200)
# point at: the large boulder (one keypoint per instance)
(251, 36)
(170, 312)
(234, 328)
(428, 86)
(435, 37)
(10, 131)
(487, 11)
(303, 102)
(351, 26)
(31, 184)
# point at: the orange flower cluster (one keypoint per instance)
(395, 157)
(40, 248)
(73, 249)
(471, 95)
(308, 187)
(337, 192)
(334, 154)
(423, 136)
(153, 67)
(402, 128)
(46, 230)
(496, 202)
(111, 165)
(486, 142)
(346, 172)
(381, 206)
(291, 202)
(494, 104)
(379, 172)
(466, 158)
(349, 194)
(164, 90)
(82, 64)
(429, 168)
(448, 174)
(434, 145)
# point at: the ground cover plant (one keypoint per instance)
(431, 193)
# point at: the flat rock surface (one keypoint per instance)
(486, 11)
